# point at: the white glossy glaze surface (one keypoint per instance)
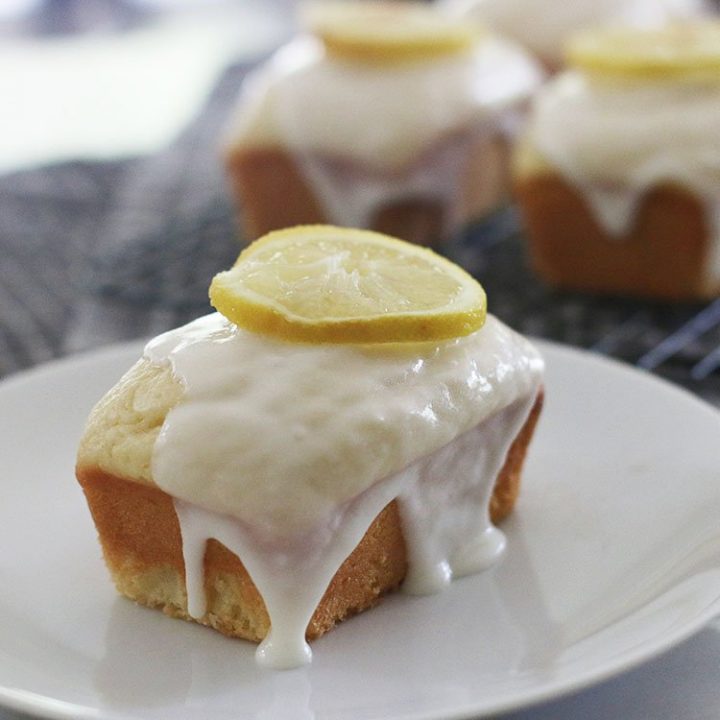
(382, 116)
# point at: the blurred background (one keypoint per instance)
(102, 79)
(111, 192)
(113, 208)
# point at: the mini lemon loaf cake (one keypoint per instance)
(618, 176)
(349, 422)
(384, 115)
(545, 26)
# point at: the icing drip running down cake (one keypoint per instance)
(267, 471)
(618, 176)
(384, 115)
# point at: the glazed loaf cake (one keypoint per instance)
(617, 175)
(147, 534)
(350, 420)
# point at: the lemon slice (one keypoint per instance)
(682, 50)
(325, 284)
(386, 32)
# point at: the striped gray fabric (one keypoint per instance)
(49, 219)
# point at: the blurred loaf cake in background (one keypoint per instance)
(618, 174)
(386, 115)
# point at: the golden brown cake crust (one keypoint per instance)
(662, 256)
(270, 190)
(140, 537)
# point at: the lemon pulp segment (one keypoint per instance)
(321, 283)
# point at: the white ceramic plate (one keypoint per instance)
(614, 556)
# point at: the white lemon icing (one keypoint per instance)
(382, 119)
(378, 115)
(544, 27)
(285, 453)
(616, 140)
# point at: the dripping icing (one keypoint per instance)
(478, 391)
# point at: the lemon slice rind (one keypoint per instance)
(267, 292)
(385, 32)
(688, 50)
